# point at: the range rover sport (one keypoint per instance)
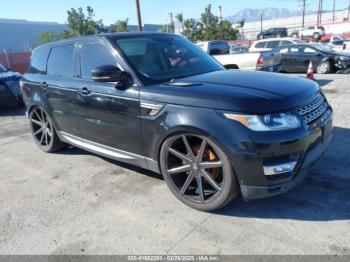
(159, 102)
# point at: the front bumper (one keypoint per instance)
(256, 192)
(303, 146)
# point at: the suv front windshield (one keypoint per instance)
(158, 58)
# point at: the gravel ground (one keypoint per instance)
(74, 202)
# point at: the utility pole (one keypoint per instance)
(139, 15)
(220, 13)
(319, 12)
(170, 22)
(333, 10)
(304, 7)
(349, 11)
(261, 21)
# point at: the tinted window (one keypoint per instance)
(294, 50)
(260, 44)
(284, 51)
(61, 61)
(219, 48)
(160, 58)
(338, 42)
(273, 44)
(286, 43)
(93, 55)
(38, 60)
(308, 50)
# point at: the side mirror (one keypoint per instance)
(111, 73)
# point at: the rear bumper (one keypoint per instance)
(256, 192)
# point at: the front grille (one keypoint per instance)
(313, 110)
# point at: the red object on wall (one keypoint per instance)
(18, 62)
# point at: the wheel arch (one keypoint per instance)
(190, 129)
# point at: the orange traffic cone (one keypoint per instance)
(310, 72)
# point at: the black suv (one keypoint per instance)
(273, 33)
(159, 102)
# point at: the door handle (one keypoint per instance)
(84, 91)
(44, 85)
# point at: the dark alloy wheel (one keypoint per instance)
(198, 172)
(43, 131)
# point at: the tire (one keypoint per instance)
(324, 68)
(198, 172)
(43, 131)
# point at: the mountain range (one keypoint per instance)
(250, 15)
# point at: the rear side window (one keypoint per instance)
(286, 43)
(219, 48)
(273, 44)
(260, 44)
(61, 61)
(38, 61)
(92, 55)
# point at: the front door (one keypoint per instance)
(109, 117)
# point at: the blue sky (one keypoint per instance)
(153, 11)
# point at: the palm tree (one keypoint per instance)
(120, 26)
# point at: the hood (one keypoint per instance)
(239, 91)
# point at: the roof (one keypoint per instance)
(97, 36)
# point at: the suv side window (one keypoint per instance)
(38, 61)
(61, 61)
(260, 44)
(273, 44)
(94, 54)
(219, 48)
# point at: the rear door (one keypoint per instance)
(291, 61)
(109, 117)
(59, 87)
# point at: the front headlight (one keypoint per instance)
(269, 122)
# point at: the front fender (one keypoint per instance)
(202, 121)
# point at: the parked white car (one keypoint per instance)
(312, 31)
(340, 43)
(272, 43)
(263, 61)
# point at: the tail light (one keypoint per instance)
(260, 62)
